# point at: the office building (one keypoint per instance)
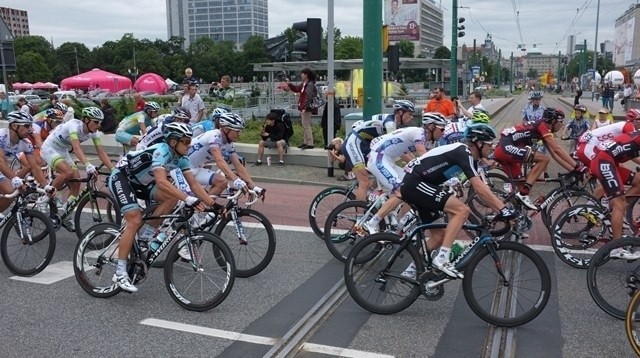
(418, 21)
(626, 44)
(222, 20)
(17, 21)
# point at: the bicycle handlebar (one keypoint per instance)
(17, 192)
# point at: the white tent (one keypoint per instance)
(170, 83)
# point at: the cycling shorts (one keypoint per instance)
(430, 199)
(355, 151)
(127, 193)
(123, 137)
(612, 177)
(203, 176)
(511, 158)
(387, 173)
(53, 156)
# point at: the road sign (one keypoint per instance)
(481, 78)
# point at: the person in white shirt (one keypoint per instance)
(626, 94)
(193, 103)
(475, 98)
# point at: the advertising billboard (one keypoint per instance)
(402, 19)
(622, 46)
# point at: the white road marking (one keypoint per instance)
(51, 274)
(249, 338)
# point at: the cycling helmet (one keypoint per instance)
(480, 117)
(61, 106)
(182, 113)
(404, 105)
(580, 107)
(633, 114)
(19, 117)
(357, 123)
(552, 114)
(54, 114)
(433, 117)
(151, 106)
(218, 111)
(479, 132)
(535, 95)
(232, 121)
(176, 130)
(93, 113)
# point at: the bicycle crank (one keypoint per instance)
(430, 288)
(137, 270)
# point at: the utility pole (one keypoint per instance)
(372, 57)
(511, 75)
(499, 68)
(595, 52)
(75, 49)
(559, 66)
(330, 89)
(453, 84)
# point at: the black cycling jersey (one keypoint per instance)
(443, 163)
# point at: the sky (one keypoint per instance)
(545, 23)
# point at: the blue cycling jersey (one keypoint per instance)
(139, 164)
(202, 127)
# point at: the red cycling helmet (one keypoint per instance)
(633, 114)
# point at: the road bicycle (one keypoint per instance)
(198, 284)
(28, 240)
(327, 200)
(505, 283)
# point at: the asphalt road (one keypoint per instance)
(50, 316)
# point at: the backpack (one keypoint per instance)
(33, 109)
(285, 118)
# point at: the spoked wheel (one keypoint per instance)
(95, 260)
(254, 252)
(27, 245)
(341, 230)
(322, 205)
(204, 281)
(94, 209)
(632, 322)
(569, 199)
(512, 296)
(378, 285)
(613, 281)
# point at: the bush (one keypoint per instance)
(253, 129)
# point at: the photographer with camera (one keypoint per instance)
(334, 152)
(273, 136)
(223, 92)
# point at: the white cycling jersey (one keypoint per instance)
(200, 153)
(23, 145)
(398, 142)
(602, 134)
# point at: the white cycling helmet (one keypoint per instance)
(176, 130)
(19, 117)
(433, 118)
(93, 113)
(404, 105)
(231, 120)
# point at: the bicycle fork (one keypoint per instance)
(240, 232)
(24, 228)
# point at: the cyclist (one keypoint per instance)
(13, 140)
(136, 124)
(434, 125)
(39, 132)
(606, 166)
(576, 127)
(356, 146)
(42, 116)
(385, 149)
(514, 149)
(209, 123)
(155, 135)
(422, 187)
(143, 174)
(56, 151)
(479, 137)
(533, 111)
(454, 131)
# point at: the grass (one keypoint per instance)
(253, 128)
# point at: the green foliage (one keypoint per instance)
(442, 53)
(407, 48)
(532, 73)
(32, 67)
(349, 47)
(253, 129)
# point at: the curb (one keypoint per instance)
(502, 107)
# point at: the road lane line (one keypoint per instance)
(341, 352)
(212, 332)
(51, 274)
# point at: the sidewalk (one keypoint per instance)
(594, 106)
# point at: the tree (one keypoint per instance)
(31, 67)
(349, 47)
(37, 44)
(442, 53)
(532, 73)
(407, 48)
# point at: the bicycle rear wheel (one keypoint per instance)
(611, 281)
(27, 247)
(95, 208)
(568, 198)
(632, 322)
(378, 285)
(255, 254)
(95, 264)
(513, 302)
(322, 205)
(206, 280)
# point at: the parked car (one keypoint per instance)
(42, 94)
(126, 92)
(66, 95)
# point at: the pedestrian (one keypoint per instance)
(611, 93)
(626, 96)
(4, 105)
(603, 119)
(475, 98)
(193, 103)
(189, 77)
(307, 90)
(337, 120)
(605, 95)
(108, 124)
(441, 104)
(139, 102)
(53, 99)
(576, 100)
(223, 92)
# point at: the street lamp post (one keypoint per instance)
(75, 49)
(595, 51)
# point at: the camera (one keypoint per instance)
(330, 147)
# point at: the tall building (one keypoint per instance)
(626, 51)
(17, 21)
(222, 20)
(418, 21)
(431, 27)
(571, 43)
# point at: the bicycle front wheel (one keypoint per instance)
(95, 259)
(512, 297)
(205, 280)
(27, 246)
(632, 322)
(612, 281)
(378, 285)
(341, 229)
(95, 208)
(322, 205)
(253, 253)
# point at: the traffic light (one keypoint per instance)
(461, 27)
(393, 58)
(311, 44)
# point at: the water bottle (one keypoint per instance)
(158, 241)
(456, 250)
(268, 161)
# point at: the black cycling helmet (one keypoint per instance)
(551, 115)
(479, 132)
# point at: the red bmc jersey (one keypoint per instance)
(526, 133)
(623, 147)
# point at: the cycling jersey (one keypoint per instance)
(529, 113)
(62, 136)
(202, 126)
(577, 128)
(606, 164)
(386, 148)
(154, 133)
(453, 133)
(356, 146)
(526, 133)
(591, 139)
(200, 150)
(131, 123)
(139, 164)
(11, 150)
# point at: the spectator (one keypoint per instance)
(576, 127)
(189, 78)
(604, 119)
(184, 91)
(611, 93)
(337, 120)
(576, 100)
(108, 124)
(628, 91)
(441, 104)
(273, 136)
(307, 90)
(140, 102)
(193, 103)
(475, 98)
(223, 92)
(53, 99)
(533, 111)
(334, 151)
(22, 105)
(4, 105)
(605, 95)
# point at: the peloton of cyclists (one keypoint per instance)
(133, 126)
(155, 135)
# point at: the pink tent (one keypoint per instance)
(39, 85)
(97, 77)
(23, 85)
(16, 85)
(151, 82)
